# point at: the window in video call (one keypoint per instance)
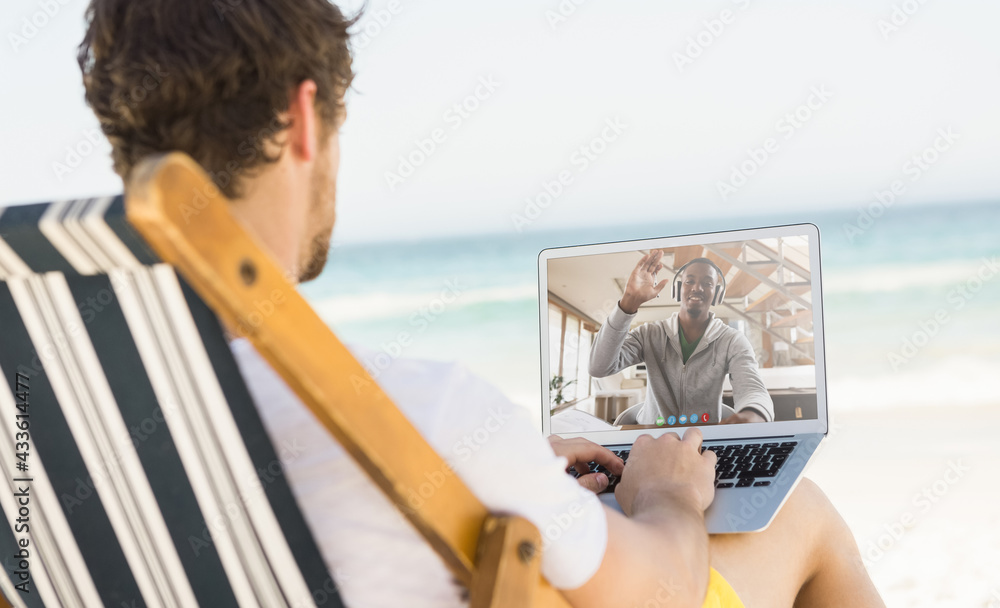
(681, 336)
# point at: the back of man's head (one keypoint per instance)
(210, 78)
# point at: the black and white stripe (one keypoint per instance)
(51, 582)
(59, 569)
(208, 441)
(151, 298)
(85, 236)
(153, 441)
(119, 345)
(11, 265)
(52, 318)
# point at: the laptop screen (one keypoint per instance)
(699, 330)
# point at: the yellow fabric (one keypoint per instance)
(720, 594)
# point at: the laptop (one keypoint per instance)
(761, 358)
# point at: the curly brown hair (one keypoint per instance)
(210, 78)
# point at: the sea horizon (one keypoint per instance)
(910, 300)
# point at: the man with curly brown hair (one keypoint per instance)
(254, 90)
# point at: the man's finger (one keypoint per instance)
(580, 466)
(614, 464)
(693, 436)
(579, 453)
(712, 456)
(601, 455)
(595, 482)
(642, 262)
(651, 260)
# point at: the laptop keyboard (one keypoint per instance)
(739, 466)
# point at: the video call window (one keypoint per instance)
(763, 337)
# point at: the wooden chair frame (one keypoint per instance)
(186, 220)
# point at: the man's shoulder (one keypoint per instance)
(730, 338)
(494, 445)
(440, 398)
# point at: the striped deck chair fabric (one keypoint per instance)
(137, 469)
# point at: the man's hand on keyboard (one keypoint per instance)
(581, 453)
(667, 467)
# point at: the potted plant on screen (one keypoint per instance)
(556, 387)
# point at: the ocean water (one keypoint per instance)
(912, 301)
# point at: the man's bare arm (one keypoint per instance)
(660, 551)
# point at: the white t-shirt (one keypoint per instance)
(376, 557)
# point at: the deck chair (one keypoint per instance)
(128, 433)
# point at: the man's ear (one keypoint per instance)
(303, 134)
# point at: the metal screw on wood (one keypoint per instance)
(526, 551)
(248, 272)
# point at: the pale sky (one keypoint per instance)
(879, 96)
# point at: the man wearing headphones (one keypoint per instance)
(688, 355)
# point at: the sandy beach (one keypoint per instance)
(919, 489)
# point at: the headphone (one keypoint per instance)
(720, 289)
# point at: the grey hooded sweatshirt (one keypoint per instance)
(675, 388)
